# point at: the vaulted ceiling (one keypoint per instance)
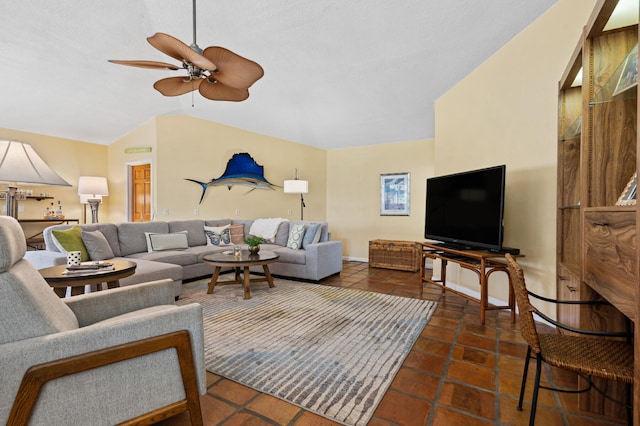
(338, 73)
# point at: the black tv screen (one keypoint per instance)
(465, 210)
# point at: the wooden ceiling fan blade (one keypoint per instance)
(221, 92)
(146, 64)
(233, 69)
(176, 86)
(180, 51)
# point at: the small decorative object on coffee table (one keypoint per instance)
(254, 243)
(245, 261)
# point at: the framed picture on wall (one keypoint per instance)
(394, 194)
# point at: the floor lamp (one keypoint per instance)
(92, 189)
(297, 186)
(19, 163)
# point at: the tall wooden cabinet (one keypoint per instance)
(569, 191)
(597, 253)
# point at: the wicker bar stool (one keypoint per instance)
(586, 356)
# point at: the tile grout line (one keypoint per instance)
(497, 372)
(465, 324)
(445, 369)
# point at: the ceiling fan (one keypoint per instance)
(217, 73)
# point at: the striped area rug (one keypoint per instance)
(329, 350)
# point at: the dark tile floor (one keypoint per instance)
(459, 372)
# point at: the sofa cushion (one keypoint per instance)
(97, 245)
(147, 270)
(176, 257)
(312, 234)
(324, 228)
(169, 241)
(296, 236)
(195, 235)
(110, 232)
(218, 235)
(237, 233)
(267, 228)
(131, 235)
(282, 236)
(287, 255)
(218, 222)
(71, 240)
(246, 224)
(202, 251)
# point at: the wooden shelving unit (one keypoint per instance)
(569, 190)
(597, 253)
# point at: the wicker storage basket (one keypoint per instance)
(390, 254)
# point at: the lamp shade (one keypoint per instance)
(20, 163)
(93, 186)
(296, 186)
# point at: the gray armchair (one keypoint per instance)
(122, 355)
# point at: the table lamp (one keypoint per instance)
(94, 188)
(19, 163)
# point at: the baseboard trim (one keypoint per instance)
(461, 289)
(355, 259)
(492, 300)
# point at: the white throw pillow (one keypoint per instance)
(160, 242)
(296, 234)
(218, 235)
(266, 228)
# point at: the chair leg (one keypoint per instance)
(536, 388)
(524, 378)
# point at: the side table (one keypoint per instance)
(57, 279)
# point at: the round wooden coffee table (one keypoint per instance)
(57, 279)
(245, 261)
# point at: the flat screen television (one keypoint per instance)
(465, 210)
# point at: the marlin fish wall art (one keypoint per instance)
(241, 169)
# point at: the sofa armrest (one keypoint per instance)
(45, 258)
(324, 248)
(98, 306)
(155, 376)
(325, 257)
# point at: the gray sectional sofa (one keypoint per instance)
(127, 240)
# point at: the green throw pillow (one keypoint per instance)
(71, 240)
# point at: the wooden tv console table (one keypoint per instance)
(482, 262)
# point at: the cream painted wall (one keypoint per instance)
(353, 185)
(70, 159)
(198, 149)
(187, 147)
(119, 163)
(505, 112)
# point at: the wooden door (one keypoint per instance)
(141, 193)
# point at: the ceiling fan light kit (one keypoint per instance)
(217, 73)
